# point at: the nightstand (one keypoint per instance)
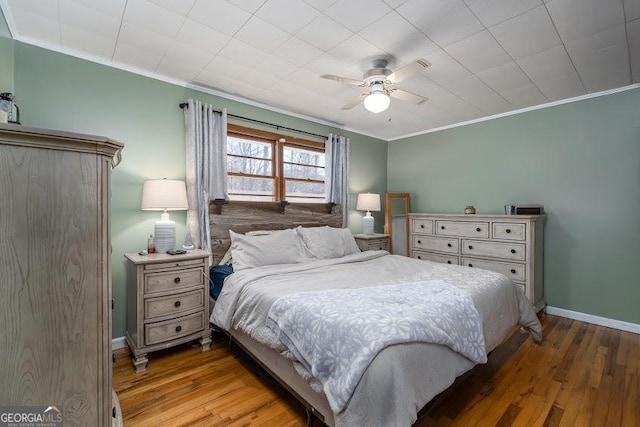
(167, 302)
(372, 242)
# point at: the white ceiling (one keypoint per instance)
(488, 56)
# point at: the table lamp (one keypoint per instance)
(164, 195)
(368, 202)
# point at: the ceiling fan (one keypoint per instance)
(381, 84)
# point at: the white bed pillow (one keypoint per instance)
(328, 242)
(282, 247)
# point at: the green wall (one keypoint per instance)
(57, 91)
(6, 56)
(580, 160)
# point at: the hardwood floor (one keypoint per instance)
(581, 375)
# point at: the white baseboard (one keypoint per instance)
(117, 343)
(597, 320)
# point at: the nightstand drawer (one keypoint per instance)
(430, 256)
(440, 244)
(173, 305)
(173, 280)
(377, 244)
(181, 264)
(514, 251)
(168, 330)
(512, 270)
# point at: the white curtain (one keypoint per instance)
(337, 173)
(206, 158)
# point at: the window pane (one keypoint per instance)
(243, 188)
(303, 172)
(249, 166)
(304, 157)
(297, 191)
(248, 147)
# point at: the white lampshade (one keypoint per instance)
(378, 100)
(368, 202)
(164, 195)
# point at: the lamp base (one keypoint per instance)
(367, 224)
(165, 236)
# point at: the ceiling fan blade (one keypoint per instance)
(408, 70)
(345, 80)
(408, 96)
(355, 101)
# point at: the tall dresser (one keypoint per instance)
(509, 244)
(55, 273)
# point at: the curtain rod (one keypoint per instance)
(184, 105)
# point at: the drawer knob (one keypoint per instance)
(478, 229)
(470, 265)
(470, 247)
(176, 280)
(513, 271)
(508, 230)
(421, 225)
(177, 304)
(442, 227)
(178, 328)
(449, 245)
(380, 248)
(419, 242)
(448, 261)
(513, 251)
(419, 257)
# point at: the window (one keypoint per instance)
(268, 167)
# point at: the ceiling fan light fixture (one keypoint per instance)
(377, 102)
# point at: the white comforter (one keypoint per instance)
(248, 295)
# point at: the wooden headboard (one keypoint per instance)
(249, 216)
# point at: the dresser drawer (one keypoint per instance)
(440, 244)
(462, 228)
(422, 226)
(173, 280)
(509, 231)
(430, 256)
(173, 305)
(511, 270)
(514, 251)
(168, 330)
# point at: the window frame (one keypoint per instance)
(278, 143)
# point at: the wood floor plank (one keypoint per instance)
(581, 374)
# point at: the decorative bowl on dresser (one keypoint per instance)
(508, 244)
(167, 302)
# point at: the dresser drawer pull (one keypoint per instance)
(513, 251)
(419, 257)
(421, 225)
(513, 271)
(178, 328)
(177, 304)
(470, 247)
(449, 245)
(478, 229)
(470, 265)
(419, 242)
(176, 280)
(508, 230)
(448, 261)
(380, 248)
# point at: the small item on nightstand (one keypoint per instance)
(151, 246)
(143, 252)
(176, 252)
(469, 210)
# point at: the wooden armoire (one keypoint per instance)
(55, 273)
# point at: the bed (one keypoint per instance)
(394, 377)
